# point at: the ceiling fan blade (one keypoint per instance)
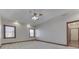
(35, 14)
(40, 14)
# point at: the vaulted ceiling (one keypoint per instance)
(25, 15)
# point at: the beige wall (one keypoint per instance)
(53, 30)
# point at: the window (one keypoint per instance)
(9, 31)
(32, 33)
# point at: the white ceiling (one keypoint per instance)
(25, 15)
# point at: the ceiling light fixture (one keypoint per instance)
(35, 18)
(28, 26)
(16, 23)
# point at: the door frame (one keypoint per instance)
(69, 31)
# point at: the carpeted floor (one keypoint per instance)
(34, 45)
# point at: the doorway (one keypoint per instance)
(73, 33)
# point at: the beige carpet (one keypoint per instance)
(34, 45)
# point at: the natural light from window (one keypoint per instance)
(31, 32)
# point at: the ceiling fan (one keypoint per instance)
(36, 16)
